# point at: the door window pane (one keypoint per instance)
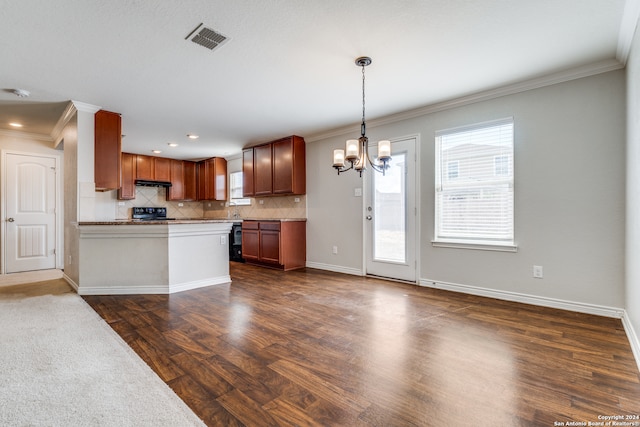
(389, 216)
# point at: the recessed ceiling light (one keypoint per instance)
(192, 136)
(15, 125)
(156, 151)
(172, 144)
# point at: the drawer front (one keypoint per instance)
(270, 225)
(250, 225)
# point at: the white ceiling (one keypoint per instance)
(288, 66)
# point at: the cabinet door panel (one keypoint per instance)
(263, 170)
(270, 246)
(190, 181)
(176, 191)
(247, 173)
(127, 190)
(107, 146)
(283, 166)
(250, 244)
(162, 169)
(144, 167)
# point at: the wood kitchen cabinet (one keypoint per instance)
(212, 179)
(262, 170)
(276, 244)
(289, 166)
(127, 190)
(276, 168)
(176, 191)
(183, 181)
(247, 173)
(190, 180)
(145, 167)
(108, 146)
(162, 169)
(151, 168)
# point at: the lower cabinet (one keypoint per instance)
(276, 244)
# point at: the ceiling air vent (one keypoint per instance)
(206, 37)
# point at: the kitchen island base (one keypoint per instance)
(152, 258)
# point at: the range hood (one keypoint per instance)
(145, 183)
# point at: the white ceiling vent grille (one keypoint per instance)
(206, 37)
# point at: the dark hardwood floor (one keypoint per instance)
(310, 347)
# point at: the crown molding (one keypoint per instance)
(628, 26)
(72, 108)
(26, 135)
(523, 86)
(84, 107)
(67, 114)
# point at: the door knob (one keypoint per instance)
(10, 219)
(369, 217)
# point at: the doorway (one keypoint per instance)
(30, 216)
(390, 216)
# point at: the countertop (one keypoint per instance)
(184, 221)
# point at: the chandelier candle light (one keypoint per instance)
(356, 152)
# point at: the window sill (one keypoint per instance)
(475, 245)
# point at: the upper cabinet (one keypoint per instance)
(263, 170)
(151, 168)
(108, 140)
(127, 190)
(247, 173)
(212, 179)
(289, 175)
(275, 168)
(183, 181)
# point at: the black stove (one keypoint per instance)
(150, 214)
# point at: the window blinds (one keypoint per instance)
(474, 184)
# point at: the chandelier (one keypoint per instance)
(356, 153)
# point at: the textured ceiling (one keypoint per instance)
(287, 67)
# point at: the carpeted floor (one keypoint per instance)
(62, 365)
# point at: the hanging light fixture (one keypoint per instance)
(356, 152)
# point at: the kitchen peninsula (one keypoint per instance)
(152, 257)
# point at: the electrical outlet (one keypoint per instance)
(121, 203)
(223, 239)
(296, 200)
(537, 271)
(180, 204)
(261, 202)
(357, 192)
(335, 250)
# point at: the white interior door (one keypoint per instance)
(30, 213)
(390, 215)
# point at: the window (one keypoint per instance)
(474, 198)
(452, 169)
(501, 165)
(235, 190)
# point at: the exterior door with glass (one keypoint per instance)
(390, 216)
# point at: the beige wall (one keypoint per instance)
(569, 195)
(632, 288)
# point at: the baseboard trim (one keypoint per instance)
(150, 290)
(634, 340)
(335, 268)
(71, 282)
(598, 310)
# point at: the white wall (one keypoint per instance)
(569, 214)
(633, 192)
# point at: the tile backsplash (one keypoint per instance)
(280, 207)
